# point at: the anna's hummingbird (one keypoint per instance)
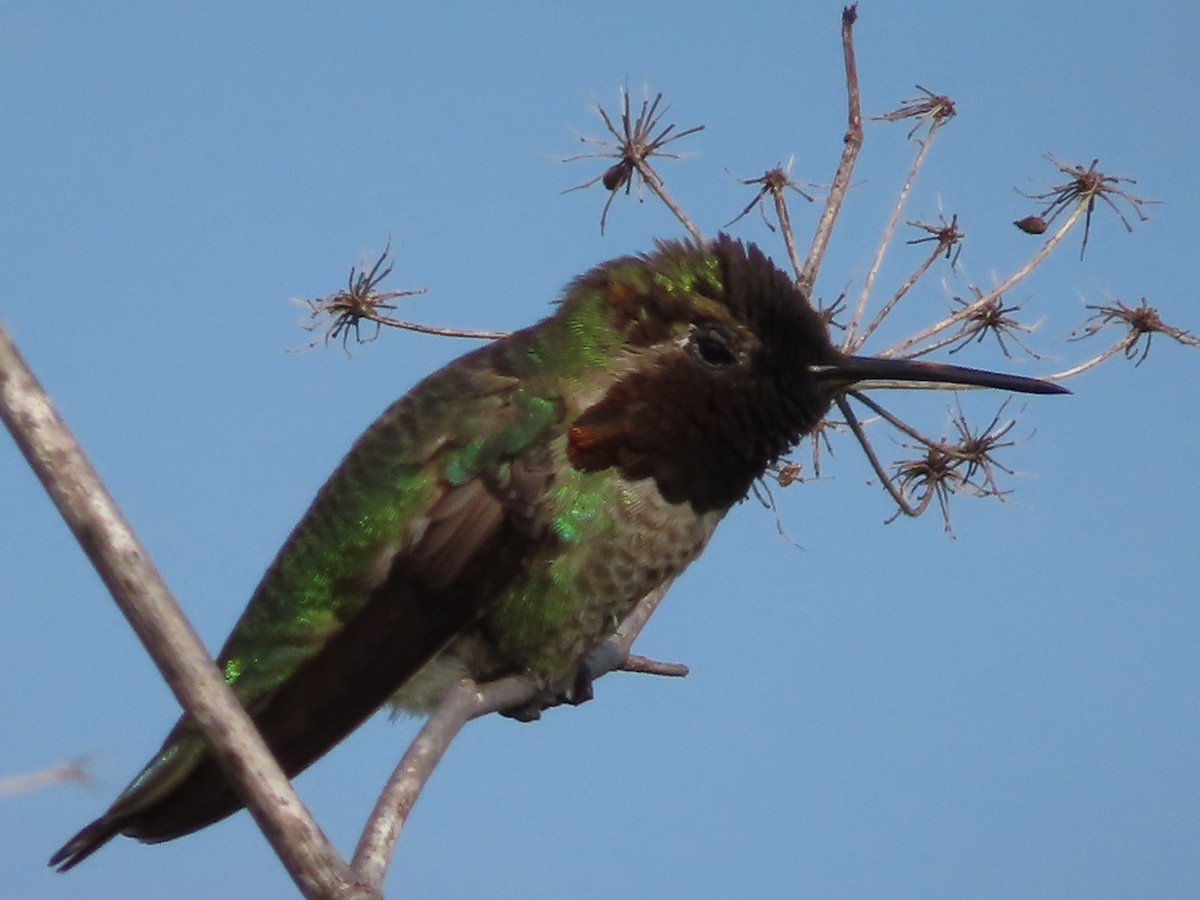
(510, 509)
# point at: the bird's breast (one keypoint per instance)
(611, 541)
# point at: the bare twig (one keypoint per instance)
(787, 474)
(142, 596)
(935, 111)
(362, 301)
(74, 772)
(948, 238)
(864, 442)
(851, 144)
(904, 347)
(464, 703)
(644, 665)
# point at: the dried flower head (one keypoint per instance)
(975, 449)
(773, 182)
(943, 468)
(1084, 188)
(1140, 321)
(988, 315)
(1032, 224)
(635, 143)
(931, 108)
(947, 234)
(360, 300)
(924, 478)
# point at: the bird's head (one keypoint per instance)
(725, 366)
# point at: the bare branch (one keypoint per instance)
(860, 435)
(851, 144)
(644, 665)
(464, 703)
(948, 238)
(934, 112)
(146, 602)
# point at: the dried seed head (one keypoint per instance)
(1032, 225)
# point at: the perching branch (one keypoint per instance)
(460, 706)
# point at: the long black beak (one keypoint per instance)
(871, 372)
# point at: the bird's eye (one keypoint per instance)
(713, 347)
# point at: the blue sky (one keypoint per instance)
(883, 713)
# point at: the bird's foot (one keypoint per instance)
(579, 692)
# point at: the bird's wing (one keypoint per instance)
(414, 536)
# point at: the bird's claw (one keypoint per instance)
(579, 692)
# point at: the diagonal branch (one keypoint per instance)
(853, 340)
(139, 591)
(904, 347)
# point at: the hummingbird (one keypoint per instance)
(506, 513)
